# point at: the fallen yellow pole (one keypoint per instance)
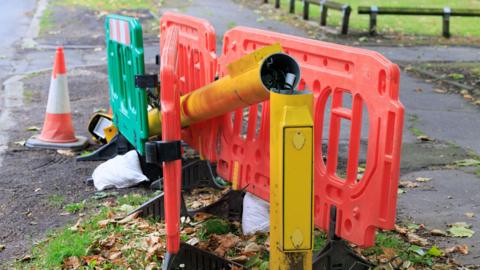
(248, 82)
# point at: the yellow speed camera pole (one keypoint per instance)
(291, 180)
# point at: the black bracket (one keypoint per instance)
(119, 145)
(337, 254)
(193, 258)
(157, 152)
(157, 60)
(146, 81)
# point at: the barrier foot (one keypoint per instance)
(168, 261)
(117, 146)
(195, 173)
(155, 208)
(337, 254)
(193, 258)
(229, 206)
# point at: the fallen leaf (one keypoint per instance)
(114, 255)
(77, 226)
(424, 138)
(71, 263)
(408, 184)
(105, 222)
(400, 191)
(219, 251)
(32, 128)
(440, 91)
(469, 162)
(435, 251)
(241, 258)
(97, 258)
(21, 142)
(129, 218)
(229, 240)
(417, 249)
(417, 240)
(251, 247)
(470, 214)
(26, 258)
(401, 230)
(2, 248)
(389, 252)
(460, 230)
(66, 152)
(200, 216)
(189, 230)
(423, 179)
(418, 89)
(462, 249)
(193, 241)
(456, 76)
(437, 232)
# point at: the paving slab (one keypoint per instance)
(442, 201)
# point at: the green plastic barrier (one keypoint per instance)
(125, 60)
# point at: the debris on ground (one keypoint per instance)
(110, 239)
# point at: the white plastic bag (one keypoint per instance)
(121, 171)
(256, 215)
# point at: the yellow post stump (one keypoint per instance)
(291, 180)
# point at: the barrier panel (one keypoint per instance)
(197, 66)
(172, 170)
(125, 60)
(331, 71)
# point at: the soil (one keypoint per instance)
(29, 178)
(91, 33)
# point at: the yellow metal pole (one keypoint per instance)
(248, 82)
(291, 180)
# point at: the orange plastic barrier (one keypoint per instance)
(239, 141)
(332, 72)
(197, 66)
(170, 102)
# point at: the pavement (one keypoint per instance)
(451, 122)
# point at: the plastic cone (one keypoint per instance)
(57, 131)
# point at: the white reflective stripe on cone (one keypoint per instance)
(58, 97)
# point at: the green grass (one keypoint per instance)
(132, 199)
(56, 200)
(404, 250)
(74, 207)
(46, 21)
(65, 243)
(419, 25)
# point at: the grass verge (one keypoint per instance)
(106, 239)
(459, 26)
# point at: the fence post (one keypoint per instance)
(346, 10)
(323, 13)
(373, 20)
(277, 3)
(292, 6)
(306, 5)
(446, 22)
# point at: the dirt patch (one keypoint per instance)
(36, 184)
(72, 25)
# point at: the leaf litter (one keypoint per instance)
(121, 241)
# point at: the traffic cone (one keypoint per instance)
(57, 131)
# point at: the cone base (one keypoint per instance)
(36, 142)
